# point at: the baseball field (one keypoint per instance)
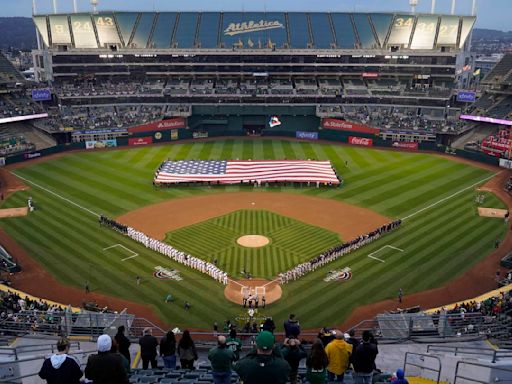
(442, 235)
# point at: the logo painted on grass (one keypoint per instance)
(166, 274)
(339, 275)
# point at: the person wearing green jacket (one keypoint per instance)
(264, 364)
(221, 358)
(234, 343)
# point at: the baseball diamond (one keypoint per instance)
(69, 191)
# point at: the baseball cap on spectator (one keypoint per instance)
(104, 343)
(265, 340)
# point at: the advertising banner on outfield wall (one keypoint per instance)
(406, 145)
(506, 163)
(163, 125)
(306, 135)
(199, 135)
(364, 141)
(98, 144)
(140, 140)
(342, 125)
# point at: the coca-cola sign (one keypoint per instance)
(364, 141)
(342, 125)
(406, 145)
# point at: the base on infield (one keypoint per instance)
(253, 241)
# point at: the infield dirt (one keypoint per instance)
(479, 279)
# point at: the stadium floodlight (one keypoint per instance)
(413, 4)
(433, 8)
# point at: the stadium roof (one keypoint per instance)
(254, 30)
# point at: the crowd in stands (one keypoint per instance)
(508, 185)
(331, 357)
(10, 145)
(492, 306)
(336, 252)
(89, 118)
(319, 86)
(17, 104)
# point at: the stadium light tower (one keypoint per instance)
(54, 6)
(413, 4)
(75, 6)
(454, 3)
(94, 4)
(433, 8)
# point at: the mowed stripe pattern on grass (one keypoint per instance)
(292, 242)
(439, 243)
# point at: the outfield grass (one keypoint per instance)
(439, 244)
(291, 242)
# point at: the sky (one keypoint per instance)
(492, 14)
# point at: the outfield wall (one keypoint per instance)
(309, 131)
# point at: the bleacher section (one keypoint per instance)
(501, 73)
(9, 74)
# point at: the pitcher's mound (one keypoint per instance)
(253, 241)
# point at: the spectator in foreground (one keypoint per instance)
(168, 350)
(338, 352)
(268, 325)
(115, 350)
(292, 327)
(187, 351)
(316, 364)
(363, 360)
(400, 377)
(293, 353)
(262, 365)
(61, 368)
(123, 343)
(105, 367)
(221, 358)
(148, 344)
(235, 344)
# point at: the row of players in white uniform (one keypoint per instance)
(179, 256)
(335, 252)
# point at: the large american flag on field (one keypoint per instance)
(234, 172)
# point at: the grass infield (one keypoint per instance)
(439, 243)
(291, 242)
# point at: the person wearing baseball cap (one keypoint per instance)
(338, 352)
(106, 367)
(263, 365)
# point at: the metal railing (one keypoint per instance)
(422, 357)
(460, 377)
(493, 354)
(17, 378)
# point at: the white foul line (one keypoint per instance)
(376, 258)
(134, 254)
(59, 196)
(449, 197)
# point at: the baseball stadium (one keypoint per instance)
(224, 170)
